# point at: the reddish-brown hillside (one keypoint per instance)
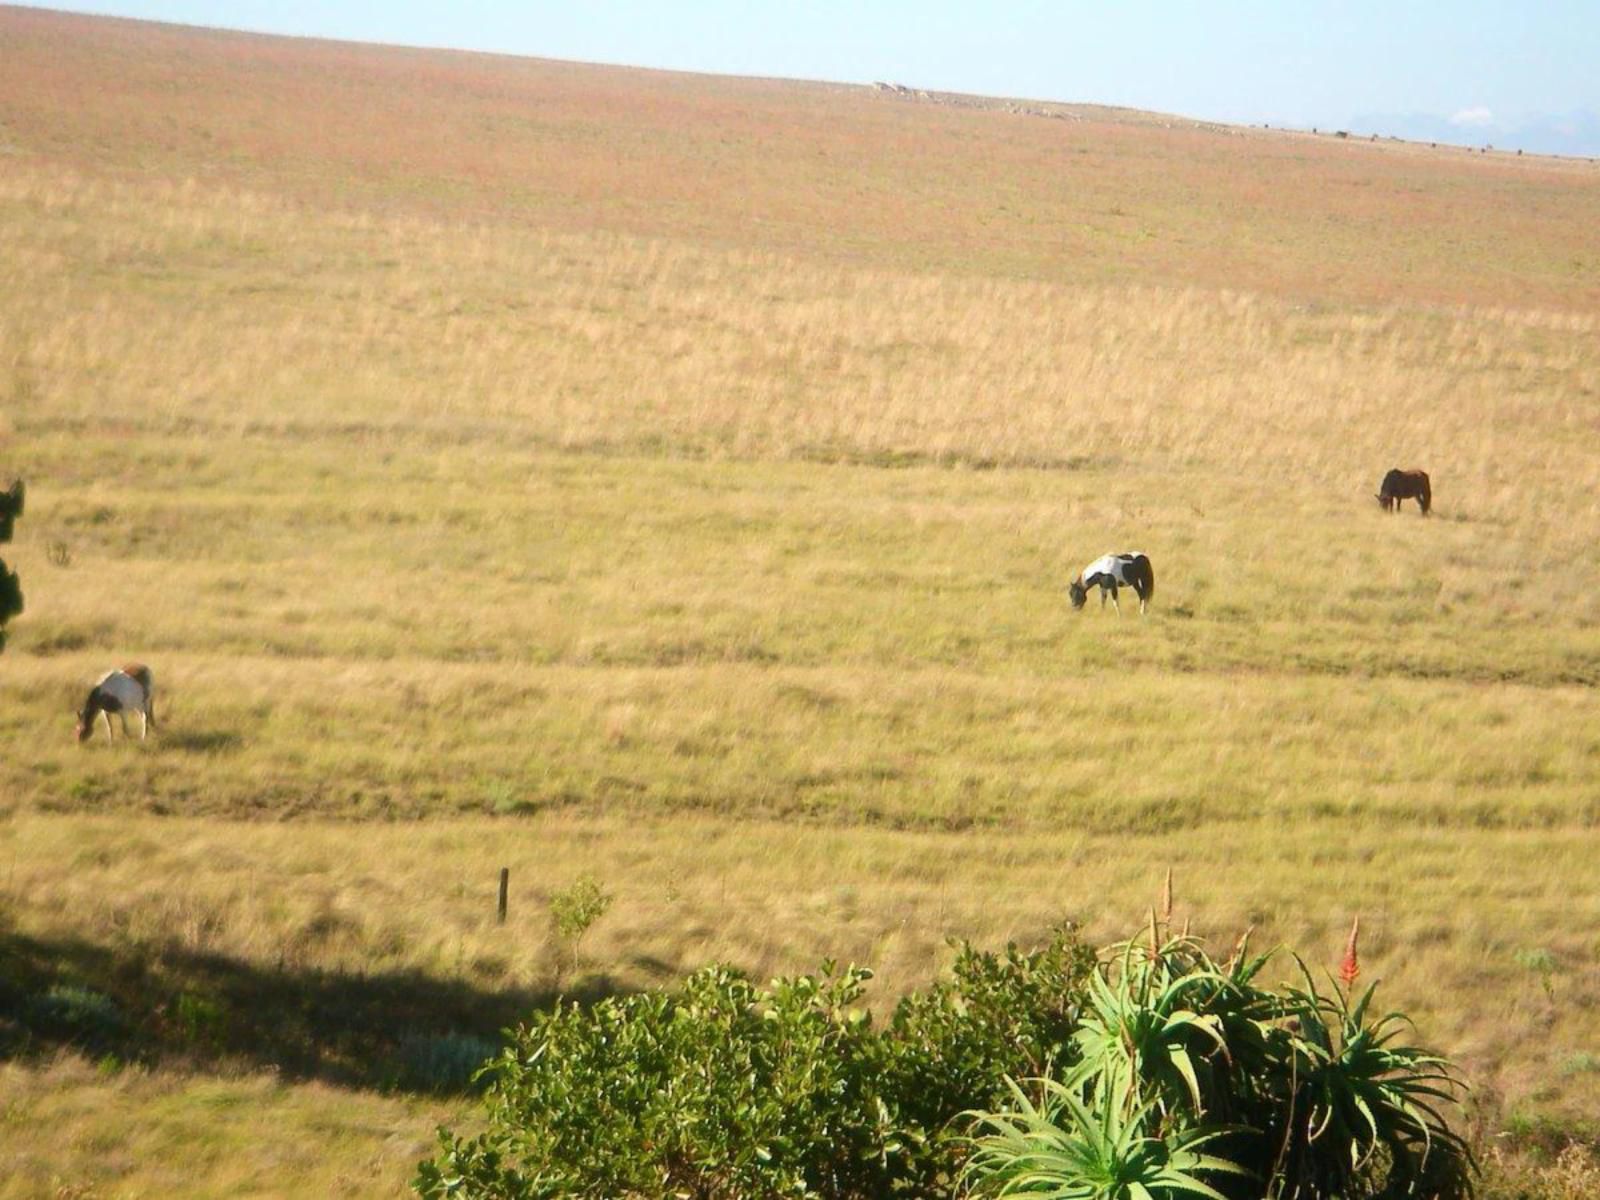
(1069, 193)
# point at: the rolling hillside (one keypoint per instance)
(675, 480)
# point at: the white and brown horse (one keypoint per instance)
(1111, 571)
(130, 688)
(1401, 485)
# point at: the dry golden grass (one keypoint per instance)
(813, 170)
(506, 493)
(1473, 932)
(357, 328)
(97, 1133)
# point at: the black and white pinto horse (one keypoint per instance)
(1401, 485)
(1111, 571)
(130, 688)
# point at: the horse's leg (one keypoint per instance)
(1115, 603)
(111, 735)
(144, 723)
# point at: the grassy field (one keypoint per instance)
(675, 481)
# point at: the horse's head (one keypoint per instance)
(1077, 592)
(1383, 501)
(86, 716)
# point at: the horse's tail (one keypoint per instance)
(1146, 575)
(1426, 499)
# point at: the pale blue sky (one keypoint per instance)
(1488, 66)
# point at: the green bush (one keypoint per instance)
(1154, 1073)
(725, 1089)
(11, 505)
(1011, 1014)
(77, 1014)
(573, 911)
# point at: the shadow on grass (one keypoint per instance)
(202, 741)
(401, 1030)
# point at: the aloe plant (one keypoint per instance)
(1065, 1150)
(1147, 1031)
(1358, 1090)
(1305, 1093)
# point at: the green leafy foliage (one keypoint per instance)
(1152, 1074)
(726, 1089)
(202, 1020)
(11, 502)
(82, 1015)
(574, 910)
(998, 1015)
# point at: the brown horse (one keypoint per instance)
(1401, 485)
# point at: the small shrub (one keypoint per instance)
(573, 911)
(1536, 959)
(724, 1089)
(77, 1014)
(1543, 964)
(720, 1090)
(1581, 1062)
(11, 506)
(999, 1015)
(446, 1064)
(504, 798)
(200, 1019)
(1572, 1174)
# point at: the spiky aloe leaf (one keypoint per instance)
(1069, 1150)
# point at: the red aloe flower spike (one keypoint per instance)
(1351, 966)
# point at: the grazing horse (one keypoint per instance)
(1108, 571)
(1401, 485)
(131, 686)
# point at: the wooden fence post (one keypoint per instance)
(505, 883)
